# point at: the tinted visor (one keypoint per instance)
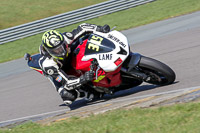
(59, 51)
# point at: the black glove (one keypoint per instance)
(104, 29)
(88, 76)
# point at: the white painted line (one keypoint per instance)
(32, 116)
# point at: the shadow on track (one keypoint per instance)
(83, 103)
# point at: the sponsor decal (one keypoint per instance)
(99, 78)
(116, 40)
(105, 57)
(59, 78)
(118, 61)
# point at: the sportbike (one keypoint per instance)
(115, 66)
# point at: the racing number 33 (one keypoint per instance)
(94, 42)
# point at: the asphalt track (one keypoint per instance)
(25, 94)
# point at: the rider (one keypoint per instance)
(56, 52)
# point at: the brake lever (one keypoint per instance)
(94, 65)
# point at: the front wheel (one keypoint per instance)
(157, 72)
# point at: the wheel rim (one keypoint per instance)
(155, 77)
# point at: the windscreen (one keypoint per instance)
(98, 44)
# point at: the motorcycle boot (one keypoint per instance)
(67, 96)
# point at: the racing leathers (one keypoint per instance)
(55, 70)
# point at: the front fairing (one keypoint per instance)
(109, 49)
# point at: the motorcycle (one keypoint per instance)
(115, 66)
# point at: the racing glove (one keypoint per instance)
(88, 76)
(104, 29)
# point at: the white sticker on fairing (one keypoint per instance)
(110, 61)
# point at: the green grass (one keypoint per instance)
(141, 15)
(182, 118)
(15, 12)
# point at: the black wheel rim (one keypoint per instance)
(155, 77)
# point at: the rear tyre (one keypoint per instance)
(157, 72)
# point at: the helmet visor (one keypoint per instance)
(58, 51)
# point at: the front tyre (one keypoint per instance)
(157, 72)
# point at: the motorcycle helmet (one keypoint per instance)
(55, 44)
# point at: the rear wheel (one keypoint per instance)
(157, 72)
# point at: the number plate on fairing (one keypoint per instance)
(109, 49)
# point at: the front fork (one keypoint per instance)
(130, 66)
